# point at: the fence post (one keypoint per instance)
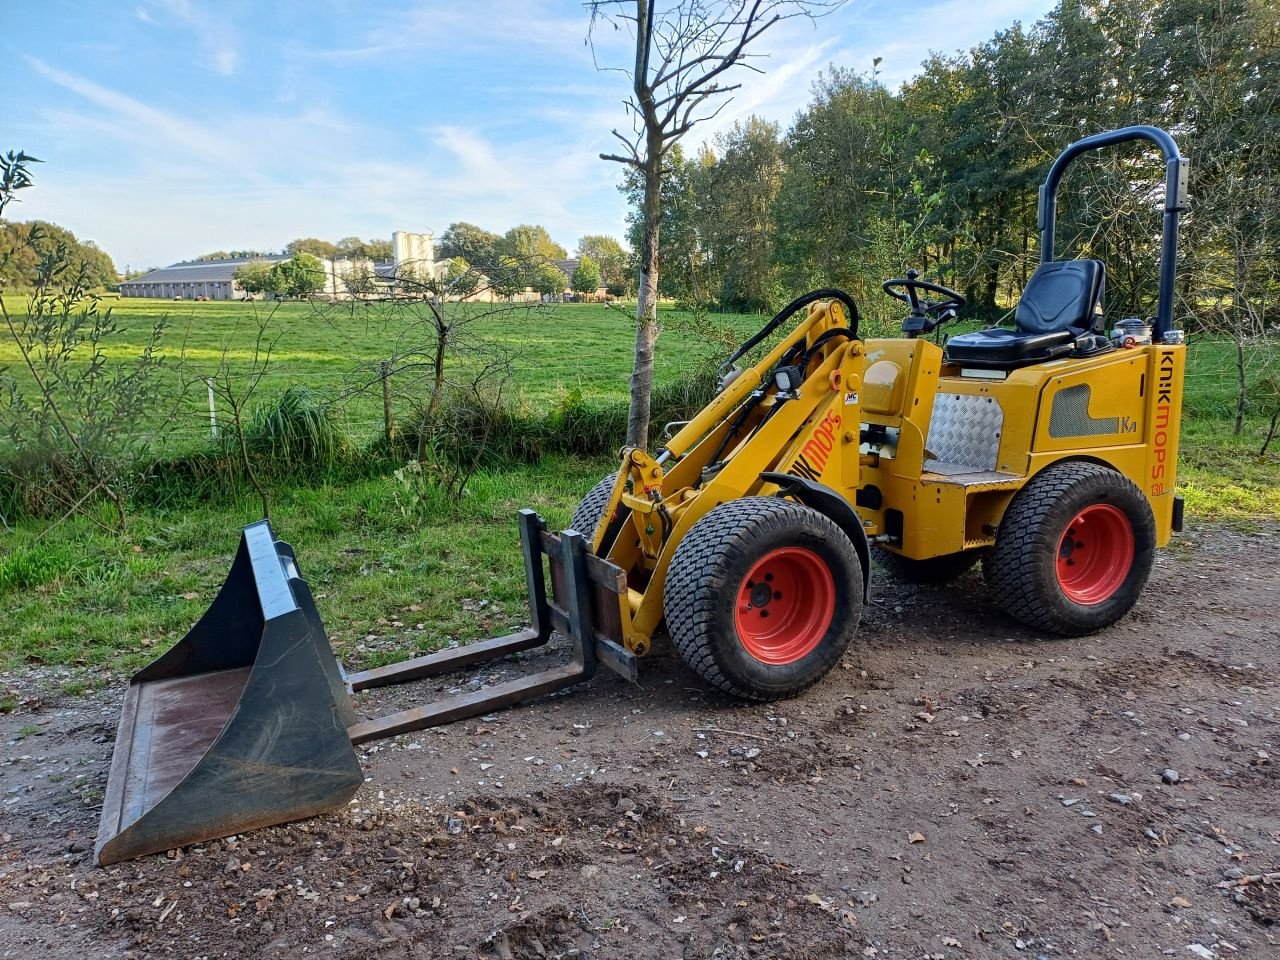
(388, 418)
(213, 412)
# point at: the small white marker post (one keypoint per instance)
(213, 413)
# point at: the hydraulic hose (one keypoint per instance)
(833, 334)
(827, 293)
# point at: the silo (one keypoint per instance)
(414, 253)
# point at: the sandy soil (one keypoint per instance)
(958, 788)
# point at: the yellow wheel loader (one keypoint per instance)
(1048, 450)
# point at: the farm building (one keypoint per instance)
(414, 257)
(214, 279)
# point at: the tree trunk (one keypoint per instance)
(427, 427)
(1275, 418)
(437, 376)
(646, 306)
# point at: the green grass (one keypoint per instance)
(78, 595)
(556, 350)
(368, 565)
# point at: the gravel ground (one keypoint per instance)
(956, 788)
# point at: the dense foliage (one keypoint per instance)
(942, 173)
(349, 247)
(586, 278)
(24, 245)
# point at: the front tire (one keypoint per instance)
(586, 517)
(762, 597)
(1074, 549)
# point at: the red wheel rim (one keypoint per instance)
(1095, 554)
(785, 605)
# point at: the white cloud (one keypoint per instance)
(190, 188)
(163, 129)
(213, 31)
(508, 129)
(554, 181)
(480, 28)
(794, 52)
(777, 95)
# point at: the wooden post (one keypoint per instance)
(388, 418)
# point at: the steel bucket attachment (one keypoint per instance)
(242, 724)
(246, 722)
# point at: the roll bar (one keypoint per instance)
(1175, 201)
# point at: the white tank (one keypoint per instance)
(413, 252)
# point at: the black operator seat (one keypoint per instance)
(1061, 303)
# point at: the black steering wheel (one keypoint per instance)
(925, 315)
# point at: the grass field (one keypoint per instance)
(330, 348)
(385, 580)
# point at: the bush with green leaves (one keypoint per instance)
(73, 421)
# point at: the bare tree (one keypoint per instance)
(684, 55)
(446, 377)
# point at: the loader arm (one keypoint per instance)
(784, 414)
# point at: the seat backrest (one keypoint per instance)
(1063, 295)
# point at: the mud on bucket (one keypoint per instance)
(242, 724)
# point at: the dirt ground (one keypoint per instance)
(958, 788)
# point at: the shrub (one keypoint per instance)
(474, 430)
(297, 433)
(576, 427)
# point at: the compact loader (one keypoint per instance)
(1048, 451)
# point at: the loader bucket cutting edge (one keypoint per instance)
(242, 724)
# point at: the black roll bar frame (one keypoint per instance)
(1175, 202)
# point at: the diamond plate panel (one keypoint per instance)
(965, 430)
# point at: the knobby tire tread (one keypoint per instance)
(1030, 530)
(695, 578)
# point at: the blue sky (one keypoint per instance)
(174, 127)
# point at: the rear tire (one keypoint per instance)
(1074, 549)
(942, 569)
(762, 597)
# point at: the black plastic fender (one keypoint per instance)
(829, 503)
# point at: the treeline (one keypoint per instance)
(348, 247)
(519, 258)
(23, 246)
(524, 252)
(941, 174)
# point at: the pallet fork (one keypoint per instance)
(248, 720)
